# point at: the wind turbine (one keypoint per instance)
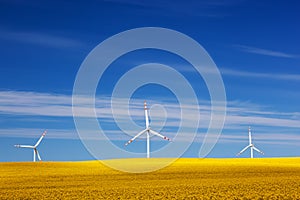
(148, 130)
(35, 151)
(251, 146)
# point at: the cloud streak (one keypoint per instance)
(239, 73)
(289, 77)
(193, 8)
(270, 127)
(41, 39)
(265, 52)
(16, 103)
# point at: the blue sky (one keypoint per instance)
(255, 45)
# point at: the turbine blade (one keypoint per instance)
(24, 146)
(250, 137)
(139, 134)
(159, 135)
(38, 155)
(244, 149)
(256, 149)
(39, 141)
(146, 114)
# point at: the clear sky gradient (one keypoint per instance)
(255, 45)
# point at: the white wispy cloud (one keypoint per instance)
(224, 71)
(193, 8)
(231, 72)
(239, 116)
(266, 52)
(58, 105)
(38, 38)
(261, 138)
(36, 133)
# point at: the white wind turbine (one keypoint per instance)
(251, 146)
(35, 151)
(148, 130)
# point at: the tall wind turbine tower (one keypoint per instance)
(34, 148)
(148, 130)
(251, 146)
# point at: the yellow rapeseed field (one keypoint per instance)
(268, 178)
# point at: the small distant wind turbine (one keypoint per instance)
(251, 146)
(148, 130)
(35, 151)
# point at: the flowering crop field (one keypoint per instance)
(187, 178)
